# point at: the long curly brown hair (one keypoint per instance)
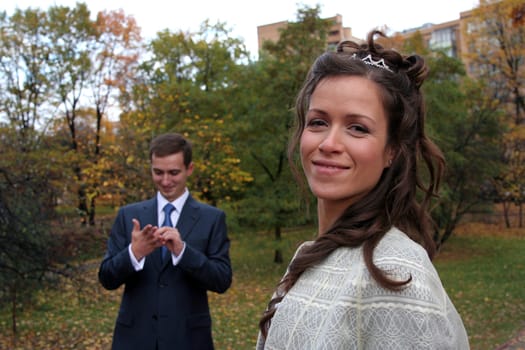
(418, 164)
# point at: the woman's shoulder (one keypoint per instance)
(403, 259)
(396, 246)
(302, 246)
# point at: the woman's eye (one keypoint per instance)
(358, 129)
(316, 122)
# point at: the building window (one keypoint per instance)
(444, 40)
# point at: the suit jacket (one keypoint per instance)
(165, 306)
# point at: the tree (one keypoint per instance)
(29, 172)
(185, 86)
(24, 57)
(498, 39)
(115, 54)
(28, 188)
(466, 126)
(89, 61)
(497, 42)
(72, 34)
(508, 185)
(265, 117)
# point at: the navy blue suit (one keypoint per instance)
(165, 306)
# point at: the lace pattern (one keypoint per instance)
(338, 305)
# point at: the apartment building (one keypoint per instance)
(337, 33)
(445, 36)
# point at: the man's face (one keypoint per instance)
(169, 175)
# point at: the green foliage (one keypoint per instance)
(58, 75)
(415, 44)
(468, 131)
(27, 250)
(217, 177)
(265, 115)
(509, 183)
(23, 79)
(497, 41)
(189, 82)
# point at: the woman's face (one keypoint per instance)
(344, 144)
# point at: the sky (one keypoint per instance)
(243, 17)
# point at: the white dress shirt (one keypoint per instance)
(161, 202)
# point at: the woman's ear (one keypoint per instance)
(390, 155)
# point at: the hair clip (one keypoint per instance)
(370, 61)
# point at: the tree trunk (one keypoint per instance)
(92, 212)
(82, 206)
(278, 257)
(13, 312)
(447, 232)
(506, 213)
(520, 217)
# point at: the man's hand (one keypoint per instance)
(170, 237)
(144, 241)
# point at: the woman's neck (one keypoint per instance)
(328, 212)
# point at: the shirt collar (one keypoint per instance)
(177, 203)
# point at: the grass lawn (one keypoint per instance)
(482, 268)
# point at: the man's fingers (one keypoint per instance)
(136, 224)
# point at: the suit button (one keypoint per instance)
(154, 317)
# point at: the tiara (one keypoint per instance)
(370, 61)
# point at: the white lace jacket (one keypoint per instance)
(338, 305)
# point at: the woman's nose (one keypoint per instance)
(331, 142)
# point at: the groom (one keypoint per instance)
(167, 251)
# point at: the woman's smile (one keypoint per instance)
(344, 144)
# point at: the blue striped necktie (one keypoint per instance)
(168, 208)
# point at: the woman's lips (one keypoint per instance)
(329, 167)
